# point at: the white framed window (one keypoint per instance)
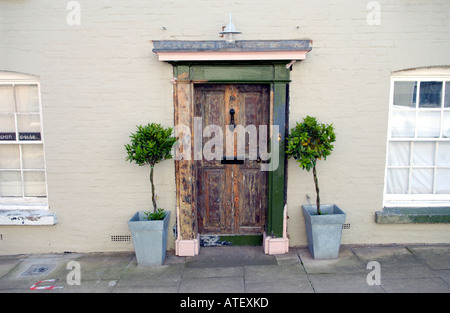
(418, 148)
(23, 178)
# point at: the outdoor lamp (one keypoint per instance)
(229, 32)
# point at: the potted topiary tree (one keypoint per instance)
(308, 142)
(150, 144)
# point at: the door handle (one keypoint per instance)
(259, 160)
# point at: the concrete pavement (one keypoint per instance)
(367, 269)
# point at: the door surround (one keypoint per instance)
(250, 62)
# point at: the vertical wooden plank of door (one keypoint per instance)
(214, 179)
(210, 173)
(251, 202)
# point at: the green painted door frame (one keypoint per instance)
(278, 76)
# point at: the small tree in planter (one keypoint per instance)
(150, 145)
(308, 142)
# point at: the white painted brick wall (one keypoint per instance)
(100, 79)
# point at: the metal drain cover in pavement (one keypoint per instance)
(38, 269)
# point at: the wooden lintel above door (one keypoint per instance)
(244, 50)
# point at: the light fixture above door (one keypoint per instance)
(229, 33)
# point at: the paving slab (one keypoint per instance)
(172, 259)
(233, 256)
(164, 275)
(203, 272)
(33, 269)
(279, 287)
(444, 274)
(7, 264)
(377, 252)
(342, 283)
(275, 274)
(395, 262)
(212, 285)
(415, 285)
(437, 258)
(103, 266)
(347, 262)
(146, 289)
(86, 286)
(289, 258)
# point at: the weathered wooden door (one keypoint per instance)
(231, 190)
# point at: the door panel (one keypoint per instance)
(213, 199)
(251, 203)
(232, 198)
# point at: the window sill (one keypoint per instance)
(35, 217)
(413, 215)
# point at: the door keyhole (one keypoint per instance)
(232, 122)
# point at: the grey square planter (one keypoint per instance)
(324, 231)
(149, 239)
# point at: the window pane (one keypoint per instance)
(424, 153)
(10, 184)
(399, 153)
(429, 124)
(447, 95)
(27, 98)
(9, 157)
(29, 126)
(33, 156)
(422, 181)
(443, 181)
(397, 181)
(430, 94)
(7, 123)
(403, 124)
(405, 94)
(444, 155)
(7, 127)
(7, 99)
(34, 184)
(446, 125)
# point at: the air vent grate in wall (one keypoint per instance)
(346, 226)
(120, 238)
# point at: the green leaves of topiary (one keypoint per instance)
(155, 216)
(150, 144)
(310, 141)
